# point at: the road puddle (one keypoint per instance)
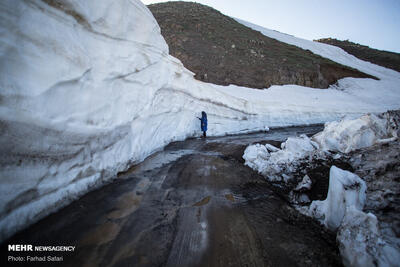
(104, 233)
(230, 197)
(203, 202)
(127, 204)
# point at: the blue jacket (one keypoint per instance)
(203, 121)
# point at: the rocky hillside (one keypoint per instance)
(220, 50)
(386, 59)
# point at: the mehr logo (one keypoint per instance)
(20, 248)
(40, 248)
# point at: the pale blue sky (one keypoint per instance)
(375, 23)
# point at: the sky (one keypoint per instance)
(375, 23)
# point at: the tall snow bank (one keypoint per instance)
(73, 77)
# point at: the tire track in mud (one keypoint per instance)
(203, 208)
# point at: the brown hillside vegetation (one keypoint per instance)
(382, 58)
(222, 51)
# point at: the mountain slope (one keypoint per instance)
(222, 51)
(382, 58)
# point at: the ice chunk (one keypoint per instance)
(361, 242)
(339, 136)
(345, 190)
(271, 148)
(337, 156)
(348, 135)
(304, 185)
(299, 145)
(303, 198)
(271, 164)
(255, 155)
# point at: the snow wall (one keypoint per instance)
(88, 88)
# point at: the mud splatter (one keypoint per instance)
(203, 202)
(103, 234)
(127, 204)
(198, 215)
(230, 197)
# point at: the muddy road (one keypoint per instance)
(193, 204)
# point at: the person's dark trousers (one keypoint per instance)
(204, 134)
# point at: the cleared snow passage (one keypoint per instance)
(88, 89)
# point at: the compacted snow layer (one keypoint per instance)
(87, 88)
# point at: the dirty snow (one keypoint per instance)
(304, 185)
(88, 88)
(345, 190)
(338, 136)
(348, 135)
(274, 164)
(361, 242)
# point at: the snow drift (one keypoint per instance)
(87, 88)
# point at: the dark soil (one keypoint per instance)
(379, 166)
(222, 51)
(382, 58)
(318, 171)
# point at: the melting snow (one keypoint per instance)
(85, 94)
(345, 190)
(338, 136)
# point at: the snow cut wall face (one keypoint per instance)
(74, 76)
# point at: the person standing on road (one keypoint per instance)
(203, 123)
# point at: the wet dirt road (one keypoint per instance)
(193, 204)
